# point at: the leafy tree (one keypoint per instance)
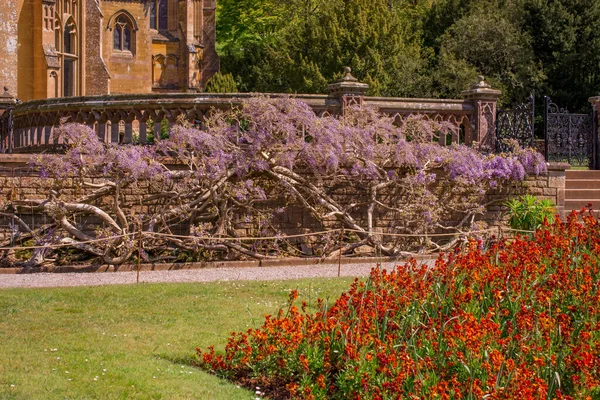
(376, 38)
(566, 40)
(221, 83)
(488, 42)
(440, 16)
(246, 21)
(430, 48)
(244, 28)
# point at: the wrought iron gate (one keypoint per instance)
(6, 130)
(516, 124)
(570, 137)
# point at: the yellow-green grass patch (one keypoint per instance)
(132, 342)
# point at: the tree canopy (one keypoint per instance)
(414, 48)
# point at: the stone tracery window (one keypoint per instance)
(69, 38)
(65, 81)
(122, 34)
(158, 67)
(158, 12)
(57, 33)
(48, 18)
(70, 59)
(165, 71)
(124, 28)
(53, 83)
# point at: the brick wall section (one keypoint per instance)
(20, 182)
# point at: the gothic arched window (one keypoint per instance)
(122, 35)
(70, 64)
(158, 13)
(66, 80)
(69, 39)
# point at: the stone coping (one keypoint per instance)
(558, 166)
(167, 100)
(404, 105)
(280, 262)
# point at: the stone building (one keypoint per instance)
(63, 48)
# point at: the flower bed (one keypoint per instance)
(517, 320)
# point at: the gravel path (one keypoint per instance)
(197, 275)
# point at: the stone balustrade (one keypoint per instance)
(28, 127)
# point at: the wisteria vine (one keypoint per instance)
(270, 167)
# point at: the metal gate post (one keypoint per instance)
(596, 140)
(533, 120)
(546, 139)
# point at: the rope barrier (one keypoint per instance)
(425, 235)
(243, 238)
(54, 246)
(283, 237)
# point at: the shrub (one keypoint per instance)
(520, 320)
(528, 212)
(221, 83)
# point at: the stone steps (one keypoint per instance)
(584, 194)
(579, 204)
(582, 174)
(582, 184)
(582, 188)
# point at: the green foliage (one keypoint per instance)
(489, 42)
(417, 48)
(164, 130)
(567, 42)
(25, 254)
(242, 22)
(221, 83)
(374, 37)
(529, 213)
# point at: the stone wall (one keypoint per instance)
(549, 186)
(8, 45)
(210, 59)
(20, 182)
(97, 78)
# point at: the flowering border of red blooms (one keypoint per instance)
(520, 319)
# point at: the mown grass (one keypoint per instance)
(131, 342)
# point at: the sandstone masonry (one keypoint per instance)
(63, 48)
(22, 183)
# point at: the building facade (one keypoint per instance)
(64, 48)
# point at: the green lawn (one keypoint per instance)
(131, 342)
